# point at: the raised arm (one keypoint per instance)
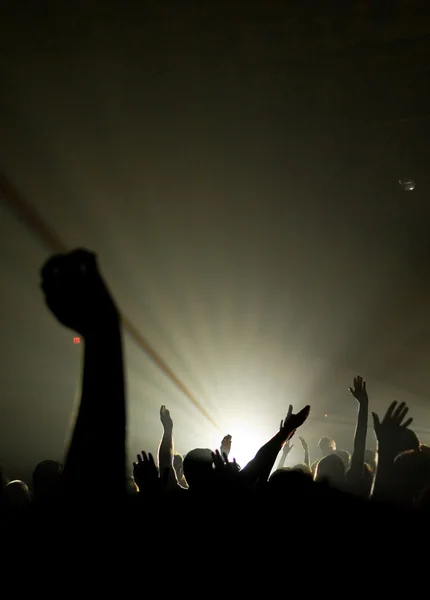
(359, 391)
(388, 434)
(305, 447)
(166, 450)
(78, 297)
(260, 467)
(285, 452)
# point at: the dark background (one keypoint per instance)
(236, 167)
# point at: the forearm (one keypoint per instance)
(165, 451)
(382, 481)
(357, 460)
(306, 458)
(100, 424)
(261, 466)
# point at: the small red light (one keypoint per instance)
(76, 340)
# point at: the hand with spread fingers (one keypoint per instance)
(359, 390)
(391, 428)
(146, 474)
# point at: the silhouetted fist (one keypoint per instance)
(76, 293)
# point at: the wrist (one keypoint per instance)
(111, 330)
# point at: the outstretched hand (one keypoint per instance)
(146, 474)
(390, 429)
(223, 466)
(359, 390)
(293, 421)
(166, 419)
(226, 445)
(304, 444)
(76, 293)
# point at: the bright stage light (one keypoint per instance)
(246, 442)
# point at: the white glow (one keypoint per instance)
(407, 184)
(246, 442)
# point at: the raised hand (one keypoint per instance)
(222, 465)
(166, 419)
(287, 448)
(304, 444)
(390, 429)
(293, 421)
(145, 473)
(359, 390)
(76, 293)
(226, 445)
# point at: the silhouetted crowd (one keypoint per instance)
(204, 500)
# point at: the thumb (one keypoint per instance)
(376, 422)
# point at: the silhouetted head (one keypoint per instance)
(290, 483)
(411, 475)
(408, 441)
(198, 467)
(17, 494)
(327, 445)
(303, 468)
(332, 469)
(345, 456)
(47, 479)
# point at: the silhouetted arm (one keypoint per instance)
(305, 447)
(166, 449)
(78, 297)
(100, 425)
(388, 432)
(355, 473)
(285, 452)
(260, 467)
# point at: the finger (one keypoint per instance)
(139, 458)
(151, 458)
(303, 414)
(145, 457)
(407, 423)
(399, 410)
(402, 415)
(134, 465)
(290, 411)
(352, 391)
(216, 459)
(376, 422)
(390, 410)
